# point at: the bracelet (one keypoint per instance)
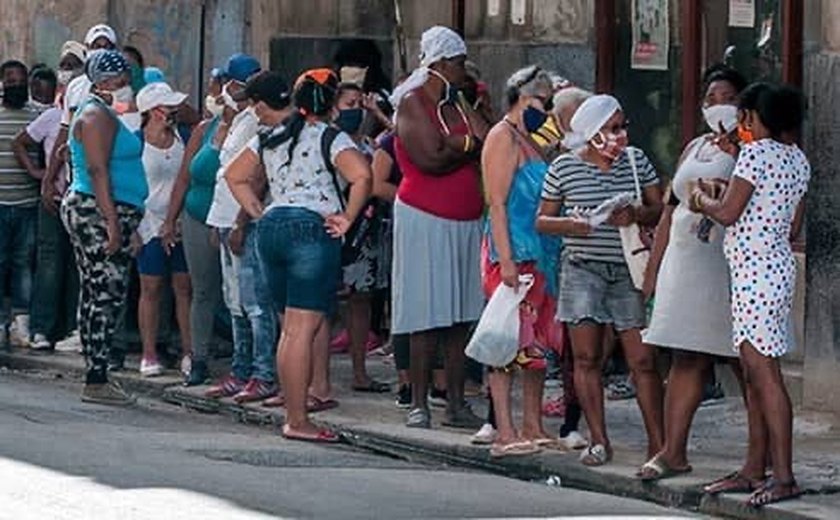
(467, 143)
(698, 200)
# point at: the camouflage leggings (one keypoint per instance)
(103, 278)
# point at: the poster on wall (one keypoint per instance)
(742, 13)
(651, 35)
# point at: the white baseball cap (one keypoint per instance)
(158, 95)
(100, 31)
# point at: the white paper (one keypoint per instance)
(600, 214)
(651, 37)
(494, 7)
(517, 12)
(742, 13)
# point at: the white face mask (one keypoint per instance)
(233, 105)
(123, 95)
(66, 76)
(212, 107)
(721, 115)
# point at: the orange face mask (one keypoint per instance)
(745, 135)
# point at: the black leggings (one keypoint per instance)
(402, 353)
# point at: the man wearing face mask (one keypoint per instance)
(596, 289)
(437, 222)
(18, 204)
(254, 326)
(52, 317)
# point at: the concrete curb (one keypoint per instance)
(539, 469)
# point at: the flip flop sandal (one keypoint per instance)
(771, 493)
(278, 401)
(547, 443)
(514, 449)
(373, 387)
(596, 455)
(657, 469)
(324, 436)
(316, 404)
(735, 482)
(419, 418)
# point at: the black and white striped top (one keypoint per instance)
(578, 183)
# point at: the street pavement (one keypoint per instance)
(63, 459)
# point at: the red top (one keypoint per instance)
(455, 195)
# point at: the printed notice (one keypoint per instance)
(742, 13)
(651, 34)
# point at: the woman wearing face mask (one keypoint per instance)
(360, 259)
(514, 168)
(101, 211)
(596, 289)
(762, 208)
(163, 153)
(192, 195)
(691, 279)
(307, 165)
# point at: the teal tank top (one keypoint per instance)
(125, 164)
(527, 245)
(203, 170)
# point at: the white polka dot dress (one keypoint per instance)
(757, 246)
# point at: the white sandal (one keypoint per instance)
(595, 455)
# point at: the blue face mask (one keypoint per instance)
(350, 120)
(534, 119)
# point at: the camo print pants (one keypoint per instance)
(103, 278)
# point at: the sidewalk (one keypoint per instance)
(373, 422)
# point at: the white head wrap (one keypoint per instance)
(75, 48)
(437, 43)
(588, 120)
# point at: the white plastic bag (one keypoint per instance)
(636, 253)
(496, 338)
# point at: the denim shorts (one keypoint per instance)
(302, 262)
(600, 292)
(153, 260)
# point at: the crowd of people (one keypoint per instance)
(414, 207)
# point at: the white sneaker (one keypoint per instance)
(150, 368)
(40, 342)
(19, 331)
(186, 365)
(72, 343)
(486, 435)
(574, 441)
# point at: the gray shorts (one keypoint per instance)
(601, 292)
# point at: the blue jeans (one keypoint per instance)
(254, 319)
(17, 255)
(55, 292)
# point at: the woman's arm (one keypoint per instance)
(381, 166)
(240, 176)
(428, 148)
(727, 210)
(96, 130)
(355, 168)
(181, 186)
(549, 223)
(498, 164)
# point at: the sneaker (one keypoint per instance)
(486, 435)
(150, 368)
(19, 331)
(116, 360)
(404, 397)
(373, 342)
(437, 398)
(40, 342)
(341, 343)
(574, 441)
(227, 387)
(712, 393)
(186, 365)
(256, 390)
(109, 393)
(463, 418)
(198, 374)
(72, 343)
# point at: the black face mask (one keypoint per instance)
(15, 96)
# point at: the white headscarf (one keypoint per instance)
(437, 43)
(588, 120)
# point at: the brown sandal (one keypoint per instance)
(773, 492)
(735, 482)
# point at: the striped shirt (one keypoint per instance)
(17, 187)
(578, 183)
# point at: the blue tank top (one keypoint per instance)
(203, 169)
(125, 164)
(527, 245)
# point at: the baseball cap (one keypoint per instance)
(240, 67)
(100, 31)
(153, 75)
(157, 95)
(269, 87)
(74, 48)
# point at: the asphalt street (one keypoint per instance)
(63, 459)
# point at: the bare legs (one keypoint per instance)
(641, 359)
(297, 351)
(358, 326)
(148, 311)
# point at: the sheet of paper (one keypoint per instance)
(742, 13)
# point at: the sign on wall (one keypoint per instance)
(651, 35)
(742, 13)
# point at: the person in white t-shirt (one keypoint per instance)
(163, 152)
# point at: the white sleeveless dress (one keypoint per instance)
(692, 306)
